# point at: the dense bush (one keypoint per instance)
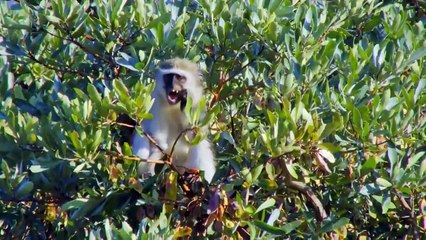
(318, 118)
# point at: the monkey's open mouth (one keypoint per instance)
(175, 96)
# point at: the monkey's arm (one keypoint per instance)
(201, 157)
(141, 147)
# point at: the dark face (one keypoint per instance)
(175, 90)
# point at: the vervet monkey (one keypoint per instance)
(175, 80)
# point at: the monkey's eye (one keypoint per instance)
(168, 78)
(180, 78)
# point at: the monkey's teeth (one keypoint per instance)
(173, 96)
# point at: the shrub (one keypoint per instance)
(318, 119)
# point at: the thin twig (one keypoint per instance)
(168, 157)
(240, 91)
(148, 136)
(413, 218)
(178, 137)
(122, 124)
(402, 201)
(152, 140)
(145, 160)
(78, 44)
(224, 80)
(320, 212)
(85, 49)
(243, 67)
(66, 69)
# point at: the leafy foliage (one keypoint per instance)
(316, 111)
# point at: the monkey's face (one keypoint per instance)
(175, 90)
(176, 80)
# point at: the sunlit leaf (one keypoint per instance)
(270, 229)
(267, 204)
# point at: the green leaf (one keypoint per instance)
(200, 108)
(77, 203)
(270, 170)
(422, 169)
(340, 223)
(268, 228)
(419, 89)
(85, 208)
(80, 30)
(123, 95)
(370, 189)
(266, 204)
(24, 188)
(219, 7)
(268, 184)
(383, 182)
(369, 165)
(414, 160)
(158, 33)
(387, 204)
(256, 172)
(75, 139)
(334, 225)
(357, 120)
(127, 150)
(327, 155)
(307, 25)
(118, 8)
(291, 170)
(39, 168)
(108, 229)
(54, 19)
(328, 52)
(127, 61)
(416, 55)
(247, 175)
(289, 227)
(94, 95)
(392, 155)
(391, 103)
(120, 88)
(162, 19)
(205, 5)
(171, 190)
(372, 23)
(4, 168)
(79, 167)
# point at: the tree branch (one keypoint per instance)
(65, 69)
(320, 213)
